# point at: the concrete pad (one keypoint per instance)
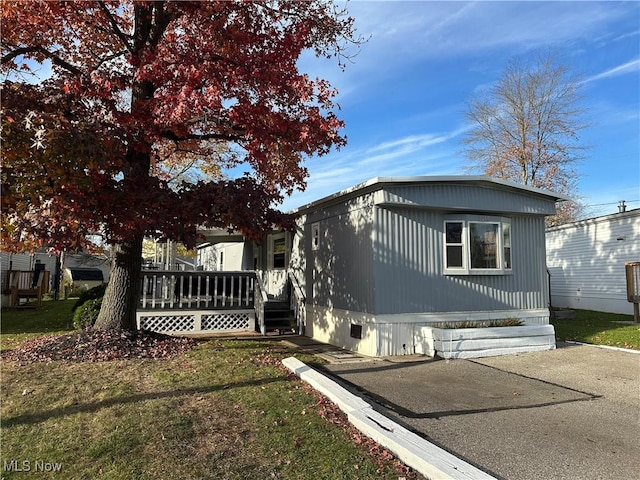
(445, 388)
(413, 450)
(568, 413)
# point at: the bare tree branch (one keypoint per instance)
(525, 129)
(116, 28)
(43, 51)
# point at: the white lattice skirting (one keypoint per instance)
(197, 321)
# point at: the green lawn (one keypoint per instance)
(18, 325)
(599, 328)
(225, 410)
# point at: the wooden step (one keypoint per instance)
(283, 320)
(276, 306)
(278, 316)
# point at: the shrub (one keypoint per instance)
(75, 292)
(87, 314)
(503, 322)
(506, 322)
(91, 294)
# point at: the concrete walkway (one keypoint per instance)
(569, 413)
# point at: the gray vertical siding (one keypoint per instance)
(381, 251)
(409, 267)
(461, 196)
(300, 248)
(339, 273)
(405, 260)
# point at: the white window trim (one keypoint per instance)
(271, 242)
(315, 236)
(463, 268)
(466, 269)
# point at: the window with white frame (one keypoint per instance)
(315, 236)
(279, 253)
(278, 257)
(454, 246)
(477, 245)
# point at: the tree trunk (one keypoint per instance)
(121, 298)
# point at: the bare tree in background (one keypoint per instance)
(525, 129)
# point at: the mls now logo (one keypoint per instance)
(28, 466)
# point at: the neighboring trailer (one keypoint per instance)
(81, 279)
(381, 260)
(586, 262)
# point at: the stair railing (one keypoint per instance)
(260, 300)
(297, 302)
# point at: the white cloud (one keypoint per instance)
(448, 29)
(409, 33)
(632, 66)
(423, 154)
(416, 142)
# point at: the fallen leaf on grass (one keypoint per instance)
(91, 346)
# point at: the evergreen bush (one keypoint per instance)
(86, 314)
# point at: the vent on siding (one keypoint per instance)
(356, 331)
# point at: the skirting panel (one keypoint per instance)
(401, 334)
(197, 321)
(484, 342)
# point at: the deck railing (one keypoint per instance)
(261, 299)
(164, 290)
(297, 302)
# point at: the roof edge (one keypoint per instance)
(634, 212)
(377, 183)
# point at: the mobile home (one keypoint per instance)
(369, 267)
(586, 261)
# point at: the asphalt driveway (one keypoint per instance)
(569, 413)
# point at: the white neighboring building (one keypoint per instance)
(586, 262)
(225, 256)
(12, 261)
(26, 262)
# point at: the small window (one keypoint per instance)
(454, 247)
(221, 261)
(315, 236)
(477, 245)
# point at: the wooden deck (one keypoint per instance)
(188, 302)
(181, 302)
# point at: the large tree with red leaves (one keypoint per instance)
(137, 89)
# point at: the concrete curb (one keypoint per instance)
(424, 457)
(606, 347)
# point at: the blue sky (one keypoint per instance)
(404, 96)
